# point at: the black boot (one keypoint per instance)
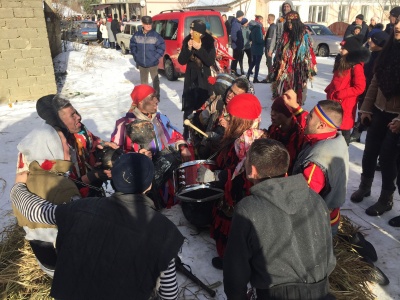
(395, 222)
(355, 136)
(384, 204)
(217, 263)
(364, 190)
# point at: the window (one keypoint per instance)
(171, 29)
(343, 13)
(127, 29)
(159, 26)
(318, 13)
(364, 10)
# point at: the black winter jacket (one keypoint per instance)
(129, 243)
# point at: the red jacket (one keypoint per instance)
(345, 89)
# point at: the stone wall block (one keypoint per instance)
(19, 43)
(43, 61)
(4, 45)
(23, 12)
(38, 13)
(35, 71)
(46, 79)
(6, 33)
(33, 4)
(35, 23)
(15, 23)
(34, 52)
(27, 81)
(6, 13)
(20, 93)
(11, 54)
(16, 73)
(27, 33)
(24, 62)
(3, 74)
(40, 43)
(10, 4)
(8, 83)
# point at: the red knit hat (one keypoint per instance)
(140, 92)
(279, 106)
(244, 106)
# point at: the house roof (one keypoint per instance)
(202, 3)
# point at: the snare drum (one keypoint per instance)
(186, 186)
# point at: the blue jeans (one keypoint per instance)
(255, 62)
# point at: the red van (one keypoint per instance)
(174, 26)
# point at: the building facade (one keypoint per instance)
(26, 66)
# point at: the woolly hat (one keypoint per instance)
(380, 38)
(244, 21)
(222, 82)
(239, 14)
(373, 31)
(395, 12)
(47, 108)
(140, 92)
(360, 17)
(357, 26)
(351, 44)
(244, 106)
(199, 26)
(132, 173)
(279, 106)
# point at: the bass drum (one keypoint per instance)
(197, 198)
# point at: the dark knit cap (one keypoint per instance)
(199, 26)
(279, 106)
(358, 26)
(48, 106)
(351, 44)
(395, 12)
(244, 21)
(147, 20)
(360, 17)
(115, 16)
(380, 38)
(239, 14)
(132, 173)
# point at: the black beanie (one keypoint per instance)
(351, 44)
(222, 83)
(380, 38)
(360, 17)
(239, 14)
(199, 26)
(395, 12)
(132, 173)
(115, 16)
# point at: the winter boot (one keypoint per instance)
(355, 136)
(384, 204)
(395, 222)
(364, 190)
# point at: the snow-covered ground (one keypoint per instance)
(99, 83)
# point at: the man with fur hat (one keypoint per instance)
(167, 138)
(393, 15)
(348, 81)
(324, 159)
(358, 22)
(287, 6)
(59, 113)
(116, 247)
(147, 47)
(198, 54)
(280, 239)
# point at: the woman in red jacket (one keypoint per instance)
(348, 81)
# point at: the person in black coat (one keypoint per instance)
(364, 28)
(115, 28)
(198, 54)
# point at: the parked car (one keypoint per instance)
(87, 31)
(124, 38)
(79, 31)
(325, 42)
(174, 26)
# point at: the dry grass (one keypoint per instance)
(20, 276)
(350, 279)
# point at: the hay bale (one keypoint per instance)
(20, 275)
(351, 277)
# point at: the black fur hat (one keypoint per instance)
(48, 106)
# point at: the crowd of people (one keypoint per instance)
(282, 186)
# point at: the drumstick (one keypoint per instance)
(188, 123)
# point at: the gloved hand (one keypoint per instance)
(96, 175)
(205, 175)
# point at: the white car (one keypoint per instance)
(124, 38)
(325, 42)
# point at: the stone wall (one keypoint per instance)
(26, 66)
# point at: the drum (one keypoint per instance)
(197, 199)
